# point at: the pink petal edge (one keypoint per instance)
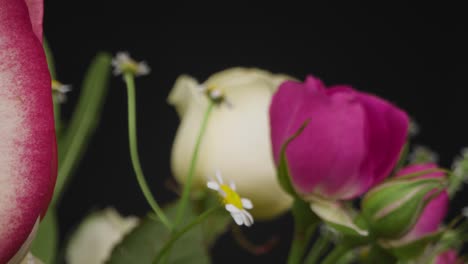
(27, 149)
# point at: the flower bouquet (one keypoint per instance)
(251, 146)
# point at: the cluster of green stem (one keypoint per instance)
(176, 229)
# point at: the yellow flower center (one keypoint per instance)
(130, 66)
(232, 197)
(56, 85)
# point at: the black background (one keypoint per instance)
(414, 56)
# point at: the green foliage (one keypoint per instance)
(74, 141)
(44, 245)
(143, 244)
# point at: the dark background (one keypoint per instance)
(414, 56)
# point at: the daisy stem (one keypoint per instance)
(133, 143)
(57, 115)
(185, 229)
(188, 184)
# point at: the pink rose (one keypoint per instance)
(27, 136)
(352, 142)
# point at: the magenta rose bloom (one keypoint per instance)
(27, 135)
(435, 211)
(352, 142)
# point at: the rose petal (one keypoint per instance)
(386, 134)
(27, 148)
(36, 12)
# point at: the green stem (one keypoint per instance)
(57, 116)
(336, 254)
(132, 136)
(176, 236)
(349, 257)
(305, 223)
(193, 163)
(317, 249)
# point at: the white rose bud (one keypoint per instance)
(95, 238)
(237, 138)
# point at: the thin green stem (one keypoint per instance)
(57, 115)
(188, 183)
(300, 241)
(336, 254)
(132, 136)
(317, 249)
(177, 235)
(305, 223)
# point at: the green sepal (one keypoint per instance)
(339, 216)
(283, 174)
(412, 249)
(393, 208)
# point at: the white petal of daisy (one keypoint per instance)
(247, 218)
(237, 218)
(231, 208)
(60, 90)
(123, 63)
(213, 185)
(465, 212)
(246, 203)
(219, 177)
(232, 185)
(143, 69)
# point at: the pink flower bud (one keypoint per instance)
(448, 257)
(435, 211)
(27, 137)
(352, 142)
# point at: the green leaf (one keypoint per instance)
(84, 121)
(379, 255)
(44, 245)
(284, 177)
(143, 244)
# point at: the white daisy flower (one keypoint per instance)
(60, 90)
(215, 94)
(232, 201)
(465, 212)
(422, 154)
(122, 63)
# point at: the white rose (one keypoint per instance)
(237, 138)
(95, 238)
